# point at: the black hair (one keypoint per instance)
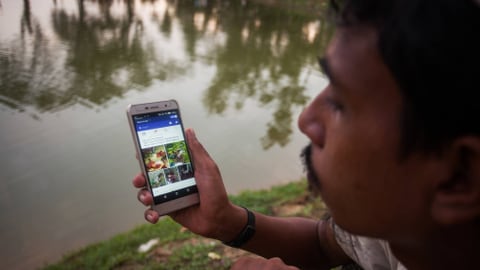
(432, 49)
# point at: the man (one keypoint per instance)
(395, 149)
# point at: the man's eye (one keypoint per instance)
(334, 104)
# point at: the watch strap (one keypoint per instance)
(247, 232)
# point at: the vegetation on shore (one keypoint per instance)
(174, 247)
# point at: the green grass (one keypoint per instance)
(122, 248)
(263, 200)
(177, 247)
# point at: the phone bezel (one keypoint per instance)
(152, 107)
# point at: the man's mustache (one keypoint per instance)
(313, 180)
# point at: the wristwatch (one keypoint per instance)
(247, 232)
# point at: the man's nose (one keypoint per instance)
(311, 124)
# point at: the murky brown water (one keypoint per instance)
(241, 72)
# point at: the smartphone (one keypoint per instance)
(162, 151)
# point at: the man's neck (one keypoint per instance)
(457, 248)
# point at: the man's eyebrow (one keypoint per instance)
(325, 67)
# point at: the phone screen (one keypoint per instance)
(165, 155)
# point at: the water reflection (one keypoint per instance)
(25, 21)
(27, 60)
(101, 50)
(262, 61)
(236, 66)
(105, 54)
(99, 56)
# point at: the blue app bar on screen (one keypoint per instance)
(156, 120)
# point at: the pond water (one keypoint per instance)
(241, 72)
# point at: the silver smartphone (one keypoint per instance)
(162, 151)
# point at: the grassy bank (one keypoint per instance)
(177, 248)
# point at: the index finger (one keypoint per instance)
(139, 181)
(198, 152)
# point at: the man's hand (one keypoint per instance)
(251, 263)
(215, 216)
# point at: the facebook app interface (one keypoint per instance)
(165, 155)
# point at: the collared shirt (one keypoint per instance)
(369, 253)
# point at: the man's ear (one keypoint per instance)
(456, 198)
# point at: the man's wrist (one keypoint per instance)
(229, 222)
(246, 233)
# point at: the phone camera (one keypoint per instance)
(166, 105)
(146, 108)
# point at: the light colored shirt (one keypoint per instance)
(369, 253)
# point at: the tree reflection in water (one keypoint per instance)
(261, 54)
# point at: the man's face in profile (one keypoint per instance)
(354, 129)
